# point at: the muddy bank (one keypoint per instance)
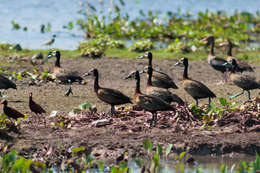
(230, 135)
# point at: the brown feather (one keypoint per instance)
(11, 112)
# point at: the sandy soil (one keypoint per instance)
(111, 140)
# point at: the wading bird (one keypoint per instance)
(241, 65)
(108, 95)
(11, 112)
(60, 73)
(162, 93)
(244, 82)
(149, 103)
(194, 88)
(159, 78)
(217, 63)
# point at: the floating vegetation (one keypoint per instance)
(95, 48)
(239, 26)
(142, 46)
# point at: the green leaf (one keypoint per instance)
(168, 149)
(156, 159)
(147, 144)
(223, 101)
(114, 169)
(85, 106)
(101, 166)
(182, 155)
(89, 158)
(78, 149)
(159, 149)
(223, 168)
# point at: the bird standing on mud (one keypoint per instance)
(5, 83)
(34, 107)
(241, 65)
(194, 88)
(108, 95)
(162, 93)
(149, 103)
(10, 112)
(217, 63)
(159, 79)
(244, 82)
(60, 73)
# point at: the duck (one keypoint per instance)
(148, 102)
(241, 65)
(11, 112)
(34, 107)
(162, 93)
(5, 83)
(60, 73)
(160, 79)
(49, 42)
(245, 82)
(194, 88)
(218, 63)
(108, 95)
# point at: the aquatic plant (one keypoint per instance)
(117, 24)
(141, 46)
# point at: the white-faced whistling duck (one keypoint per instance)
(241, 65)
(61, 73)
(10, 112)
(34, 107)
(149, 103)
(160, 79)
(162, 93)
(108, 95)
(217, 63)
(194, 88)
(244, 82)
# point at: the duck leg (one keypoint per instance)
(197, 102)
(248, 93)
(112, 110)
(209, 101)
(153, 119)
(236, 95)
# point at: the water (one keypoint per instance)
(33, 13)
(206, 164)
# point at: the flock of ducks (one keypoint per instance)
(157, 96)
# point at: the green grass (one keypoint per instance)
(251, 56)
(31, 52)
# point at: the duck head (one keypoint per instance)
(93, 72)
(4, 102)
(131, 75)
(30, 94)
(148, 55)
(208, 40)
(182, 61)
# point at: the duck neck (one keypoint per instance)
(229, 53)
(185, 73)
(96, 85)
(30, 100)
(57, 63)
(137, 88)
(212, 48)
(150, 61)
(149, 80)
